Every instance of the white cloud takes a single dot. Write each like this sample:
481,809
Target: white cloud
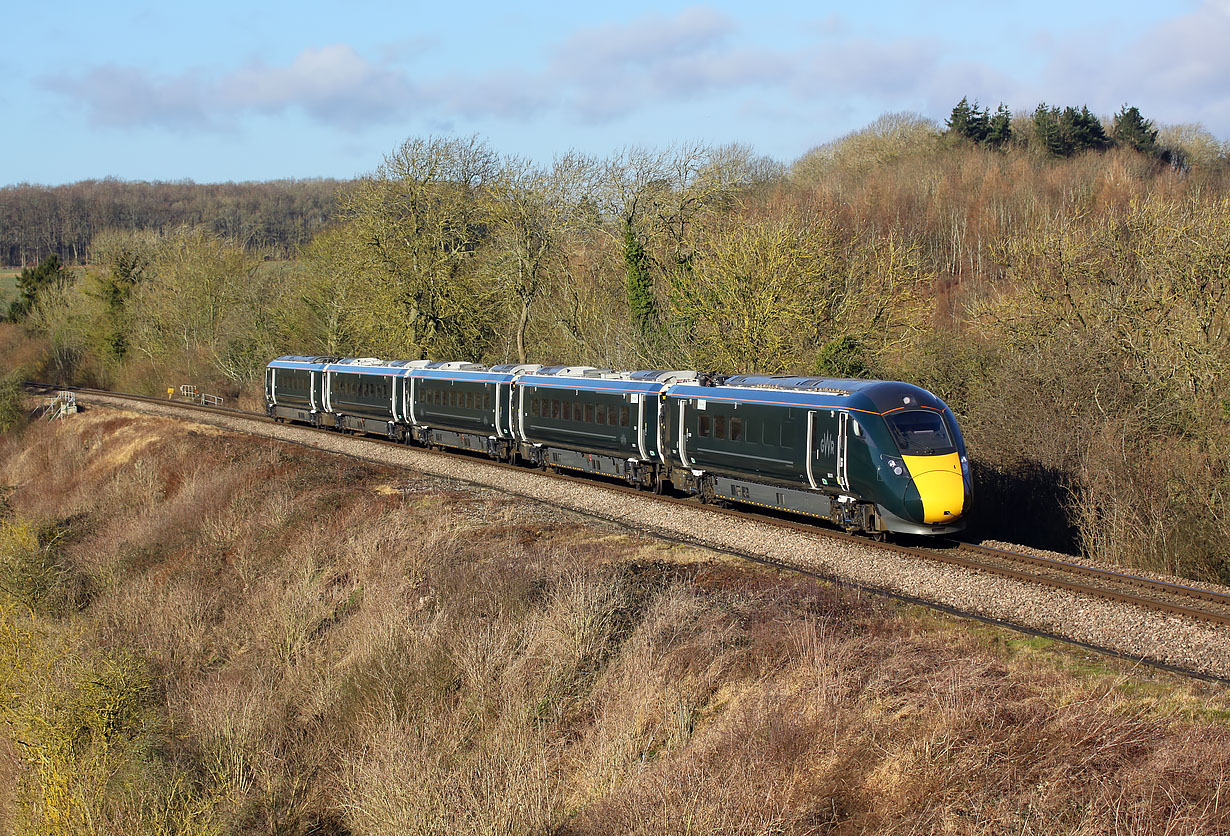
603,73
1175,72
123,96
334,84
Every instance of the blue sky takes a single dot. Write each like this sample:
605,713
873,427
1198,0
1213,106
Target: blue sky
256,91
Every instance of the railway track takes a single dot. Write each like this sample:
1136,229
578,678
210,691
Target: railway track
1173,599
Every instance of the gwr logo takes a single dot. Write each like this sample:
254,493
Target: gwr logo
828,446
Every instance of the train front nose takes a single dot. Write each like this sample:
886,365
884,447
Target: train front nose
940,486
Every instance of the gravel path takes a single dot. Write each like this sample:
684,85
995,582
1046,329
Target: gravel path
1126,629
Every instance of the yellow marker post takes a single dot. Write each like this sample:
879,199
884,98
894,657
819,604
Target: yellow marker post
170,392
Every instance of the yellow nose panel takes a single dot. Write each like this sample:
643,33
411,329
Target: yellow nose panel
939,483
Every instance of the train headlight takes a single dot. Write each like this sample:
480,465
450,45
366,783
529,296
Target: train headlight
895,465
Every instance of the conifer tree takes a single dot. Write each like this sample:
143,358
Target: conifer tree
999,129
1048,132
31,285
1084,130
970,121
1132,130
958,121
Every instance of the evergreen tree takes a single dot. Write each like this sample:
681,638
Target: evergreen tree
1048,131
1132,130
1063,133
31,285
129,266
969,121
999,130
1084,130
958,122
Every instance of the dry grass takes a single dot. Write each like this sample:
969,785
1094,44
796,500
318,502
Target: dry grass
249,638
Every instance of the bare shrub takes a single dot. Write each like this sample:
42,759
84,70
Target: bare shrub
282,648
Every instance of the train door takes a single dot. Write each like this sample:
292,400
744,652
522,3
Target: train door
639,402
843,450
827,448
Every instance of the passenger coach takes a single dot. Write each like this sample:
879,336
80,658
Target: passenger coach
869,456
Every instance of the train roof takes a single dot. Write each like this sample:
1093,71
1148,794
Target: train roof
874,396
595,379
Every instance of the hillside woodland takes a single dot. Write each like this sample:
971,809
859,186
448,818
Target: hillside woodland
1061,281
275,218
203,633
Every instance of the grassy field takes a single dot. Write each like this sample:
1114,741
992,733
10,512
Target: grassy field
8,286
211,634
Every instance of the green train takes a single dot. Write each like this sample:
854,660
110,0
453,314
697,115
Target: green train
868,456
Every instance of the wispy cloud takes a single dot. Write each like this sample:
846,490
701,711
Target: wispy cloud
333,84
118,97
608,72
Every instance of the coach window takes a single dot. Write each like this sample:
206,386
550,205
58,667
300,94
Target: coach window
601,414
719,426
623,416
589,413
706,426
736,429
611,416
555,408
567,410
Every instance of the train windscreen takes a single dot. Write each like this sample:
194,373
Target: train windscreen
920,433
